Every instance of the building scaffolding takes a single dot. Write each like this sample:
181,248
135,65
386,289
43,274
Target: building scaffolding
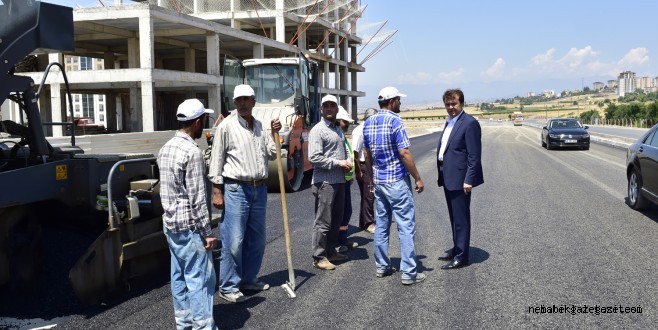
157,53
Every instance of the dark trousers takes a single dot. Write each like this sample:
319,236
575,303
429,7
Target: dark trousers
347,214
329,203
459,210
367,210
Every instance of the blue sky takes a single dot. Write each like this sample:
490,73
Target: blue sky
493,49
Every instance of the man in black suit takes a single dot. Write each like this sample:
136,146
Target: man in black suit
460,170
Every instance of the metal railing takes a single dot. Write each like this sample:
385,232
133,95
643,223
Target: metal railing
623,122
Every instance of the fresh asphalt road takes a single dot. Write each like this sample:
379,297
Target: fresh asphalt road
549,228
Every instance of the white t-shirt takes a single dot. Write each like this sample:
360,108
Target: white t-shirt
357,141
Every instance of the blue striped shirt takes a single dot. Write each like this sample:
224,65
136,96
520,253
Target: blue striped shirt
384,135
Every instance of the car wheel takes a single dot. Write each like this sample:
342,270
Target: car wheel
548,146
543,144
586,148
635,198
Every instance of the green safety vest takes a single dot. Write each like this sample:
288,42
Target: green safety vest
349,175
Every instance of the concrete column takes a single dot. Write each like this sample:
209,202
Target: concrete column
355,103
119,112
56,101
337,66
258,51
235,7
108,60
213,62
327,72
190,60
146,42
146,56
133,53
111,112
345,71
279,21
325,48
148,106
301,41
133,116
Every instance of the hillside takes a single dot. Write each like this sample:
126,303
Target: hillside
571,106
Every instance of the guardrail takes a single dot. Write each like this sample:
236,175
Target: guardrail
424,117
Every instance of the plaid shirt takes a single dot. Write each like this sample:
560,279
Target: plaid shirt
182,182
384,135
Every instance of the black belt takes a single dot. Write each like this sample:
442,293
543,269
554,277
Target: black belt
249,182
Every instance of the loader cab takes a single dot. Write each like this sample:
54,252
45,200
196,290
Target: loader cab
277,83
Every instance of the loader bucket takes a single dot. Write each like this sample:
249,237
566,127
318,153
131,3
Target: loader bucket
98,271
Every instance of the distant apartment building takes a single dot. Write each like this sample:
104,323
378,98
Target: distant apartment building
87,105
597,86
644,83
530,94
626,83
612,84
548,93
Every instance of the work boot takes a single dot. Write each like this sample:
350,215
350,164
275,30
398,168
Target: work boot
324,264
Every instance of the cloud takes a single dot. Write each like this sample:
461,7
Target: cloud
575,60
426,78
543,59
450,77
635,56
496,70
418,78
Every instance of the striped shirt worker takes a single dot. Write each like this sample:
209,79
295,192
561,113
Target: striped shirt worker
240,153
182,169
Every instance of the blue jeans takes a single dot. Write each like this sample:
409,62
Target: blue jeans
243,235
395,199
192,280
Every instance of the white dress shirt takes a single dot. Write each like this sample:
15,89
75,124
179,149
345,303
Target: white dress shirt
450,123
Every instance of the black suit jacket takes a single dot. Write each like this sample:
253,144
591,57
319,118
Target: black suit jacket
462,157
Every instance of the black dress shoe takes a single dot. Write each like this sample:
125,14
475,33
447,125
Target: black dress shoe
454,264
446,256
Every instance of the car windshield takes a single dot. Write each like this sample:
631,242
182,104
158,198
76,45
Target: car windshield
565,124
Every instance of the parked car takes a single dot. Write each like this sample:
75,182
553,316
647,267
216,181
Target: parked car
86,126
564,132
642,170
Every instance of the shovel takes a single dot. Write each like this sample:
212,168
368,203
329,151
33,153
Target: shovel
289,286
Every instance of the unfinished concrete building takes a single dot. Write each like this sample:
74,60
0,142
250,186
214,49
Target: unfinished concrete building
157,53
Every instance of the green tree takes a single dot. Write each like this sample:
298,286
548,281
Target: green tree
611,111
587,116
